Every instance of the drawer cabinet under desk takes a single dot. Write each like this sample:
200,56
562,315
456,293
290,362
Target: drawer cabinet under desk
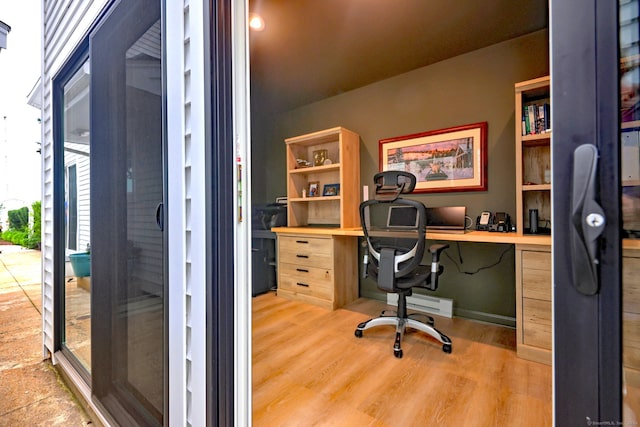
533,302
318,269
533,310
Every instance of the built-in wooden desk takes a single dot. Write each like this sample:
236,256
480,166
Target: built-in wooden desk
469,236
533,279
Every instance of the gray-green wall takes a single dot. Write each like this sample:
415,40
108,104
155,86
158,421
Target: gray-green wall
475,87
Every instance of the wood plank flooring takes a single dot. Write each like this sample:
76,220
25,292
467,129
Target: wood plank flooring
310,370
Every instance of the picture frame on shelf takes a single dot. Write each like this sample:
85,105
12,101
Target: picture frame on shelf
443,160
331,190
319,156
313,190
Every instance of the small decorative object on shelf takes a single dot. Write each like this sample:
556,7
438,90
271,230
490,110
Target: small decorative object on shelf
302,163
319,156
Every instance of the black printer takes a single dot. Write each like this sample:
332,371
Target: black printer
263,218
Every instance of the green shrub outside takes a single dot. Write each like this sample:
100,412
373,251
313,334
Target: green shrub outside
37,219
21,234
19,218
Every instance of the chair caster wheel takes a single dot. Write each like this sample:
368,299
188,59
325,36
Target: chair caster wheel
358,333
397,353
446,348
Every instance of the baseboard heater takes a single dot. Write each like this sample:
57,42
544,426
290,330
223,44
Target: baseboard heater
432,305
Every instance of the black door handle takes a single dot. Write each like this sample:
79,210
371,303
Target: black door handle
160,216
588,220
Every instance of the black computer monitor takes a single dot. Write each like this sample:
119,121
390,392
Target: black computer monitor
446,218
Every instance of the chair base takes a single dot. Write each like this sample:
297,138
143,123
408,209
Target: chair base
401,323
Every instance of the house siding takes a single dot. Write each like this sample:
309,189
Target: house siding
186,212
64,25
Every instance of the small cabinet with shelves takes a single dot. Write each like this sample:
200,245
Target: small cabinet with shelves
533,154
327,157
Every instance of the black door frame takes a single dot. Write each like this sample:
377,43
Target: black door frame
585,109
77,58
220,154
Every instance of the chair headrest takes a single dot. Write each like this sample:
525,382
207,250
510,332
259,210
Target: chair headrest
390,184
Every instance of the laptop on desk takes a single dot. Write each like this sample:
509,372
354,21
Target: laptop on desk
447,219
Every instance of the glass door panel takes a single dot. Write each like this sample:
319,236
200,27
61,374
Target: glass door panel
630,206
76,334
128,246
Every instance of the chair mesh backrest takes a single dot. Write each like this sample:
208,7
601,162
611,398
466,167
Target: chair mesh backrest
399,224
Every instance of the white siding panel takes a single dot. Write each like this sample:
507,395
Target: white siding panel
187,228
179,366
65,24
194,140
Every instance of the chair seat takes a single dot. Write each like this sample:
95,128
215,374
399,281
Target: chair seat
420,277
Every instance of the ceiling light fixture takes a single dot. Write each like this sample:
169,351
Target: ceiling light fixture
256,22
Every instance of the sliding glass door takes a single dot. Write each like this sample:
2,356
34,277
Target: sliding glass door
127,209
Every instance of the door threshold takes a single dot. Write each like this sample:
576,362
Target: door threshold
80,389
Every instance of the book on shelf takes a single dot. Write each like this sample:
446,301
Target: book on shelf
526,129
536,118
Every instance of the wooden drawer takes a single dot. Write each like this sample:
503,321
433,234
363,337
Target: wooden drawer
631,340
536,328
630,284
536,275
306,251
312,281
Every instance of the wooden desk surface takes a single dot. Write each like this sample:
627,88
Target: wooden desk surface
469,236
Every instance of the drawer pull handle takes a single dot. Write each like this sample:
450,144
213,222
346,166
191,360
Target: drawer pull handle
302,256
302,241
302,270
302,284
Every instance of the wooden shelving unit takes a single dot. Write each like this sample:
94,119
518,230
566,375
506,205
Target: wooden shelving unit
321,269
343,152
533,262
533,159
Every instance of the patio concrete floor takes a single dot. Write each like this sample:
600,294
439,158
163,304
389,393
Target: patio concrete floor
31,391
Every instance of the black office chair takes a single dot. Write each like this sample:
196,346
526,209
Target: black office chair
394,230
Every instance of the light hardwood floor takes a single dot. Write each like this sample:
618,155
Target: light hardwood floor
310,370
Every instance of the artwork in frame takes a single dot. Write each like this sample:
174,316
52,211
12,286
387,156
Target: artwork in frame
314,189
331,190
444,160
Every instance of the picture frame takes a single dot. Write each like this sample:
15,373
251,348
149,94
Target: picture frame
443,160
331,190
319,157
313,190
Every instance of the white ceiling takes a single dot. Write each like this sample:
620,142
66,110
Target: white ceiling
314,49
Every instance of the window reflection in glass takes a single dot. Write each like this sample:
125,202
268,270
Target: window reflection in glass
77,168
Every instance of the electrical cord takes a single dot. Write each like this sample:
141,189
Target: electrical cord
479,269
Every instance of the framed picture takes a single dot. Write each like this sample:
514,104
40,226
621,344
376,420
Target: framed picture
314,189
319,157
331,190
452,159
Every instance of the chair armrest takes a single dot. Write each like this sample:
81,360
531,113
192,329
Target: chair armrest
436,269
436,250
